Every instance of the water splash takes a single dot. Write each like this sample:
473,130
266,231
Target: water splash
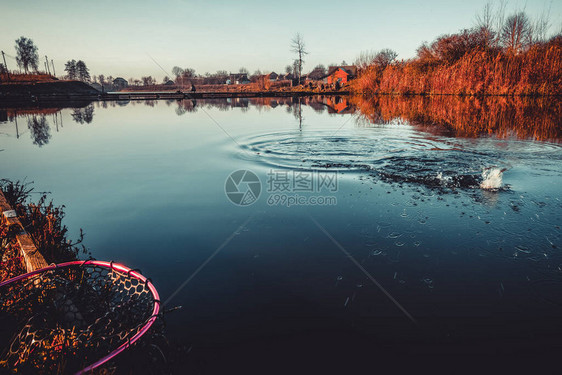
492,179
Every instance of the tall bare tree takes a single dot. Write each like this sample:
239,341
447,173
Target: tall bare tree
485,18
516,32
484,21
298,47
541,25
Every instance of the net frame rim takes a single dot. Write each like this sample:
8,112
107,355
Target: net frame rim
113,266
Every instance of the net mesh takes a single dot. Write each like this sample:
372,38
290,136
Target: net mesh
67,318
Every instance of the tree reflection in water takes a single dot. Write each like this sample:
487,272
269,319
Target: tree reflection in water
83,115
521,117
185,106
536,118
39,129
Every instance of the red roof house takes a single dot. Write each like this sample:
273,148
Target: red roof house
341,74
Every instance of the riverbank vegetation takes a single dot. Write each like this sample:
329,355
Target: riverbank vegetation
536,118
25,78
498,56
43,221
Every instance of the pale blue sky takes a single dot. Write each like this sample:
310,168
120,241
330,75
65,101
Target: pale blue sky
115,37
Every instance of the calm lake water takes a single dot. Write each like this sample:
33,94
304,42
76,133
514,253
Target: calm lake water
360,232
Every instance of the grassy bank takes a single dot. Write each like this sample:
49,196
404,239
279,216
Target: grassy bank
26,78
469,64
26,90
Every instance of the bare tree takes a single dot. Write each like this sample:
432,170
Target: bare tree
385,57
485,18
516,32
365,59
188,73
148,81
288,69
500,20
26,54
298,47
177,71
243,70
382,58
541,25
296,68
485,21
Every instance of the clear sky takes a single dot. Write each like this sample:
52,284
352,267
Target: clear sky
117,37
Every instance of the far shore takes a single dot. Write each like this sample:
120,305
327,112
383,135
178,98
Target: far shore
65,90
59,90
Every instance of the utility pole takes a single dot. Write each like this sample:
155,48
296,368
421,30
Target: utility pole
53,64
47,65
6,65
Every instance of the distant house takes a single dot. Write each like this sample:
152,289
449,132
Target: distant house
317,74
120,83
341,74
238,78
273,76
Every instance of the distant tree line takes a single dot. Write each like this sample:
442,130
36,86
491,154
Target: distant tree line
187,76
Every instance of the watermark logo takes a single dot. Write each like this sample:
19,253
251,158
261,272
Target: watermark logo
243,187
295,181
284,187
301,187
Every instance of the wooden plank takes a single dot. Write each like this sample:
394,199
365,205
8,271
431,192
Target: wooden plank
32,257
5,206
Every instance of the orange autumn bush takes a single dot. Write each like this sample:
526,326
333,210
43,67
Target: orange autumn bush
478,69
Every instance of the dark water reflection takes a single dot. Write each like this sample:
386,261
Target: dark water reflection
38,119
479,269
453,116
504,117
